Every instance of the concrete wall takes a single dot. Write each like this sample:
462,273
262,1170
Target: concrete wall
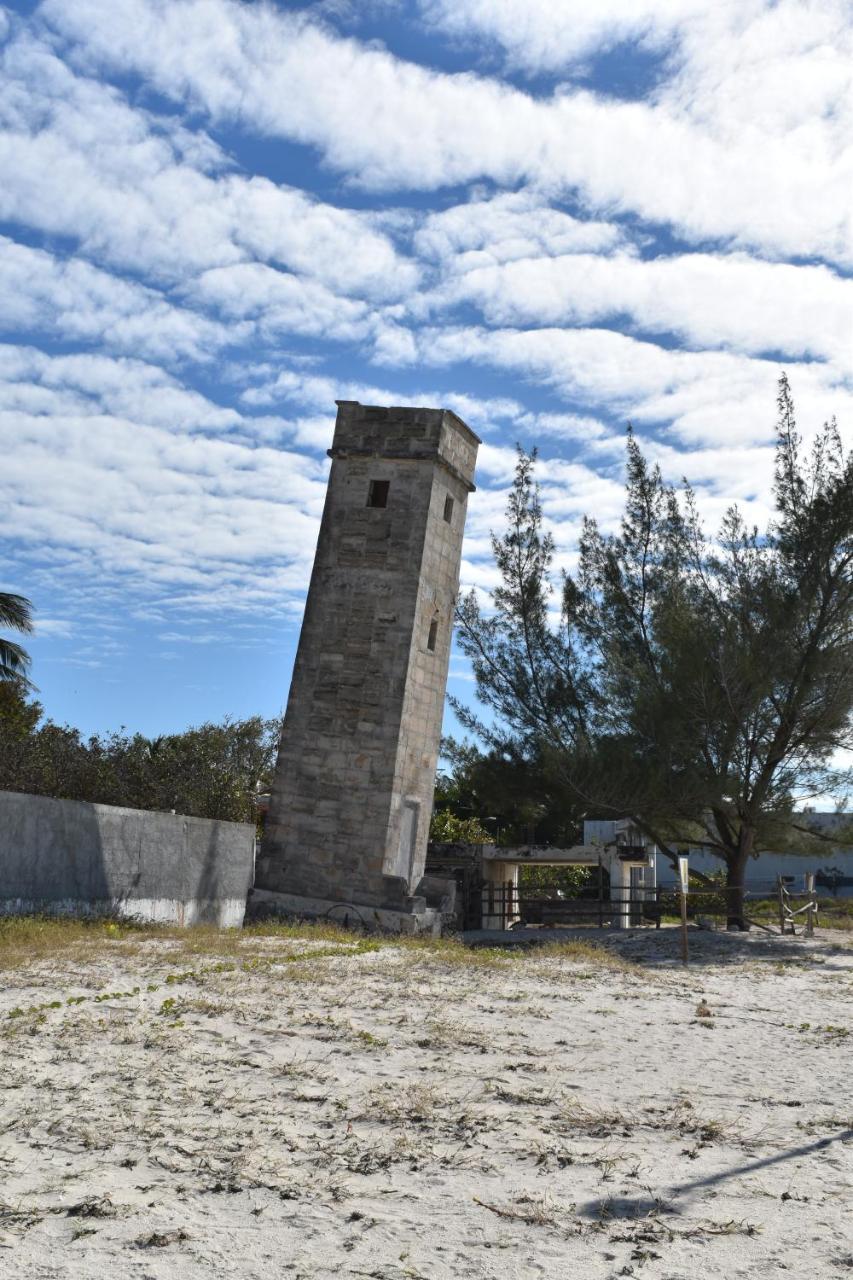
88,859
762,871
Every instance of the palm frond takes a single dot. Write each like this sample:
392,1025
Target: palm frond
14,661
16,612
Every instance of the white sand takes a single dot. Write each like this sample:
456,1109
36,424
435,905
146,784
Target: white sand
394,1115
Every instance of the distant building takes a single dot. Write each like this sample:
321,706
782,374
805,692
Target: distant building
832,866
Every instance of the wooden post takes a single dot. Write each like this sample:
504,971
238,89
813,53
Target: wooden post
600,894
781,905
684,879
810,911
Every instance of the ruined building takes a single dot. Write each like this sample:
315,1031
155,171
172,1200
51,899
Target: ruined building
350,807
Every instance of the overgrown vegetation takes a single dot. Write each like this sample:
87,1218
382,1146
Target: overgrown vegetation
514,792
209,771
447,827
568,882
702,686
27,940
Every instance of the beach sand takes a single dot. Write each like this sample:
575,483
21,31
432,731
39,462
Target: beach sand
294,1106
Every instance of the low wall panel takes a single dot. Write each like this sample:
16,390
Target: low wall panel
73,857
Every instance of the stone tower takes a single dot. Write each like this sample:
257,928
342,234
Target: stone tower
351,802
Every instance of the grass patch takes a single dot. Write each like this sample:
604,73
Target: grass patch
28,939
257,936
835,913
581,952
593,1121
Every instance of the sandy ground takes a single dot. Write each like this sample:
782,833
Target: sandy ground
406,1112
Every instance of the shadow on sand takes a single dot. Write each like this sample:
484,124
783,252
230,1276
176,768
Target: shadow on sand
648,1206
662,947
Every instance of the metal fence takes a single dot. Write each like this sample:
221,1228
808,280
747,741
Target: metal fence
507,906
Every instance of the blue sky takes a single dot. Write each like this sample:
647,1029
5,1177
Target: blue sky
217,217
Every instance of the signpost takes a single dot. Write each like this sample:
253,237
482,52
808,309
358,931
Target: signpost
684,881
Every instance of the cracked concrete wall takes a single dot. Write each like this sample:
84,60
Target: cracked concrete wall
73,857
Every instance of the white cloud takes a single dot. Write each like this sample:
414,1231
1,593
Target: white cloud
84,385
515,224
77,302
319,391
145,508
60,627
204,637
588,434
705,398
139,503
280,302
738,66
773,170
707,300
541,35
127,475
138,191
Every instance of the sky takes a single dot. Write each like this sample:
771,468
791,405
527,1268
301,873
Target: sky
217,217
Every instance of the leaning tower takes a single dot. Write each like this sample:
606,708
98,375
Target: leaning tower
350,806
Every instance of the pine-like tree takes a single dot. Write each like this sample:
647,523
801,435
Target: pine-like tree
701,686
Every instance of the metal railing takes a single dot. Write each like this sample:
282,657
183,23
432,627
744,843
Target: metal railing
506,906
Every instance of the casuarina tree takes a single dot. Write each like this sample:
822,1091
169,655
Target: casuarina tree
700,685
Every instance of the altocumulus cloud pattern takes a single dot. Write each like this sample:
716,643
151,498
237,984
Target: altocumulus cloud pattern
218,216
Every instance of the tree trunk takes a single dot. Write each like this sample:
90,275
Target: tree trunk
736,864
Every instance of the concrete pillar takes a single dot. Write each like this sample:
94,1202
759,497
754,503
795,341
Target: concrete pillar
620,889
500,894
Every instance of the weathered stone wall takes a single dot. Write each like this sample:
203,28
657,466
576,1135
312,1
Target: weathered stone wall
351,802
92,859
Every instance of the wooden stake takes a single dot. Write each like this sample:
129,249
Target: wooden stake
600,894
684,880
810,912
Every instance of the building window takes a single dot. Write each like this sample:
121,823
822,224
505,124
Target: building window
433,635
377,493
448,508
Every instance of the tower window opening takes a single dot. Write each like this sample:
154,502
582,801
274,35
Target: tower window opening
448,508
377,493
433,635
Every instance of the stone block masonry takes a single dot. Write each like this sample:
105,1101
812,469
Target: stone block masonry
351,802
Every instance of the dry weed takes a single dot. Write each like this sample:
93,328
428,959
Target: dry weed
581,952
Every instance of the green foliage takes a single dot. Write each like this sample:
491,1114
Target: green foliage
707,896
15,612
209,771
450,829
701,686
515,792
571,882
